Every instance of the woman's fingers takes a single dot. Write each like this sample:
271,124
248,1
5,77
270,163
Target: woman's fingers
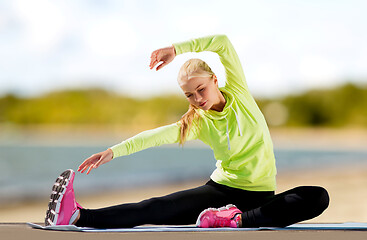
153,59
82,167
85,163
164,63
85,168
161,65
98,163
158,56
95,164
88,163
152,64
90,169
95,161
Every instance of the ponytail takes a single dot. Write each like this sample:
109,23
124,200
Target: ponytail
186,123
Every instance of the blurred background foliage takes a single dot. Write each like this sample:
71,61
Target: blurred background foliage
342,106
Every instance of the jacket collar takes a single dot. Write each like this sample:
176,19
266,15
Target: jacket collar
229,101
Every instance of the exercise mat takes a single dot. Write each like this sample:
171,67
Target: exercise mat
193,228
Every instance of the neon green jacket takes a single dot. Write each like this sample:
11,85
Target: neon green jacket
239,135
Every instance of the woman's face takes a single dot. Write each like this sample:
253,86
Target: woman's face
201,91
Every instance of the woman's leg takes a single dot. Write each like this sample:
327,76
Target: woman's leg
292,206
177,208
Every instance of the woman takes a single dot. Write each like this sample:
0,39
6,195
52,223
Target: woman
230,122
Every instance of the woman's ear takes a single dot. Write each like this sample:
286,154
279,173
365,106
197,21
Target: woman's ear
215,79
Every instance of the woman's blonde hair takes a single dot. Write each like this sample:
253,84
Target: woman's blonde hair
191,68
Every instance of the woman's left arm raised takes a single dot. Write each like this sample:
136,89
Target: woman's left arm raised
221,45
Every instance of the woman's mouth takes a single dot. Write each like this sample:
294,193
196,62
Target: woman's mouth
202,105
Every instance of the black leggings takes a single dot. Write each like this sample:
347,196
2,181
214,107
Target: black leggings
260,209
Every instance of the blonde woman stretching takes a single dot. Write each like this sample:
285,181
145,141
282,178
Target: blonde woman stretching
240,191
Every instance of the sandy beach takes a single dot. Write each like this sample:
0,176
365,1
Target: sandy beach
346,186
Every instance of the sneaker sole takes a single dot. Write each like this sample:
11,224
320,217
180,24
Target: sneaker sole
58,190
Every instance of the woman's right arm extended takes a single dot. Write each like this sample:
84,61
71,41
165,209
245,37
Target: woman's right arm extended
146,139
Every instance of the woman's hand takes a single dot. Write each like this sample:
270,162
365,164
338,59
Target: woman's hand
165,55
96,160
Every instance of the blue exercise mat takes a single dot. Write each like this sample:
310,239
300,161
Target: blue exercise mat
192,228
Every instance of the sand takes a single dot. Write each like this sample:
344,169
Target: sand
346,186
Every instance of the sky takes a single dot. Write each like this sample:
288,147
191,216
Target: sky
285,46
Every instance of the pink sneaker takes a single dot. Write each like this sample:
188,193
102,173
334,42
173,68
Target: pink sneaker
62,209
227,216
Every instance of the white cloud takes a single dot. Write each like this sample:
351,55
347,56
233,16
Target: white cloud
3,21
318,71
110,36
44,23
199,23
266,78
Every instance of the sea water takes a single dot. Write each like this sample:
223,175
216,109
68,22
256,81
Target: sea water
27,172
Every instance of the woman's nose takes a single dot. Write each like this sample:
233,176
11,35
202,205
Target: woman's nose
198,97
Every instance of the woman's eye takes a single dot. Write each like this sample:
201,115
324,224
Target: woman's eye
189,95
201,90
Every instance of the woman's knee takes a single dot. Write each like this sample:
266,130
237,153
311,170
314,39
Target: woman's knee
317,197
322,198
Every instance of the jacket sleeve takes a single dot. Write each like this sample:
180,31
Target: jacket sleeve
221,45
151,138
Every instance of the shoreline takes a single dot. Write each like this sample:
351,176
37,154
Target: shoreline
79,135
